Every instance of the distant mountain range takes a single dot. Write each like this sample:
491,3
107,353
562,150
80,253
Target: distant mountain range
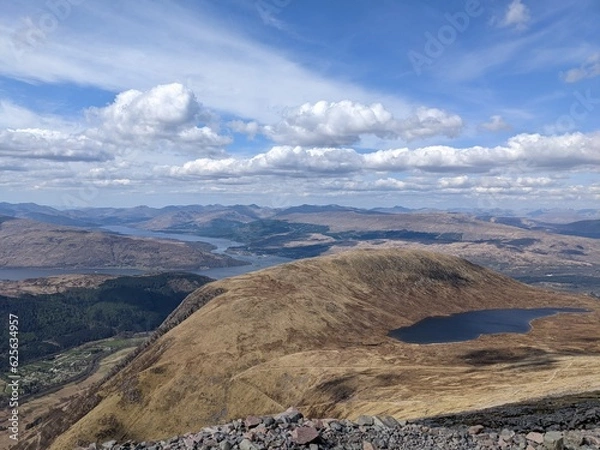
532,245
309,230
585,228
142,214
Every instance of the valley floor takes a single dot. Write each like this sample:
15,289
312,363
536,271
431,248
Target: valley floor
38,406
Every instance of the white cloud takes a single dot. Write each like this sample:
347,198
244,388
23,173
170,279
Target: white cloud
522,152
345,122
135,131
481,191
168,112
541,48
429,122
517,15
129,137
158,137
496,123
484,191
467,183
251,129
280,160
589,69
32,143
536,168
331,123
161,111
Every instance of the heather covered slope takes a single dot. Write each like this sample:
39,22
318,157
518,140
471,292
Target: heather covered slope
313,334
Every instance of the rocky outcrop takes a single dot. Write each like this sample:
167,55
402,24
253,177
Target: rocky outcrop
290,430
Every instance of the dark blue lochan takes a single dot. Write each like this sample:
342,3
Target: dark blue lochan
470,325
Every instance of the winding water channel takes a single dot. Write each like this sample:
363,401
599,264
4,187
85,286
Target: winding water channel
256,262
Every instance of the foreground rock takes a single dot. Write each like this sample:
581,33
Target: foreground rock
290,430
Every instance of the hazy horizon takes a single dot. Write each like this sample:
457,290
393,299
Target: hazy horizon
515,211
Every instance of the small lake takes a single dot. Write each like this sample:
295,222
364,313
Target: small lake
470,325
255,262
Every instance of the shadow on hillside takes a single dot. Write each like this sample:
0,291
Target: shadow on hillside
337,390
522,358
531,357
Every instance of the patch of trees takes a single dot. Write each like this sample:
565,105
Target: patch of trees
51,323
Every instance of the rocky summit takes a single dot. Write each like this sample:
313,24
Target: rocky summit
290,430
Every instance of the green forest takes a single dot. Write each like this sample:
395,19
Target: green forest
52,323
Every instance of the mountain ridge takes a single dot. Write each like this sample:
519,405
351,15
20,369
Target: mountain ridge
313,333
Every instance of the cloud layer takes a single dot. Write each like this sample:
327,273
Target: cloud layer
166,117
165,139
524,152
33,143
343,123
169,118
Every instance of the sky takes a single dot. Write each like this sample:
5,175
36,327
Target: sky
421,103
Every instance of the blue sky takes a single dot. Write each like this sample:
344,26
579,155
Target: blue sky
422,103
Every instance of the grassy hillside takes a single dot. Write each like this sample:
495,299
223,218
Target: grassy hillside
313,334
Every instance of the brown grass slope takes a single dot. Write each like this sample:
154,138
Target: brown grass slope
313,334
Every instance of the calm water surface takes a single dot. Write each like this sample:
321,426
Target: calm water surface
470,325
256,262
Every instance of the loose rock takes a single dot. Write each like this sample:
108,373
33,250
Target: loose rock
290,430
304,435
